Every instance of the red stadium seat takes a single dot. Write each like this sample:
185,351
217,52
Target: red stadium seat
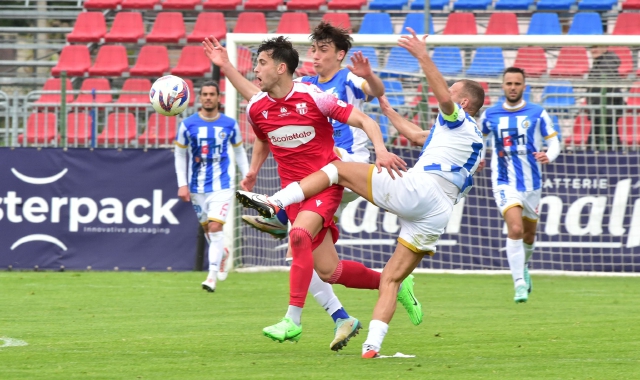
503,23
79,128
631,4
74,59
161,130
338,19
346,4
208,24
42,128
263,4
487,99
153,61
221,5
89,27
293,23
627,23
121,128
305,4
126,27
572,62
251,22
460,23
135,91
192,62
167,28
54,84
532,60
581,131
180,4
626,59
629,129
139,4
101,4
634,95
97,84
111,61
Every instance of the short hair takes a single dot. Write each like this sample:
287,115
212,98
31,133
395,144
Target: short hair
514,69
475,92
339,36
210,83
281,50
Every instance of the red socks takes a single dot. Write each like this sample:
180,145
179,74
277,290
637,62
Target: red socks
353,274
301,267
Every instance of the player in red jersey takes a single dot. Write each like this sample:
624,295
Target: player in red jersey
290,120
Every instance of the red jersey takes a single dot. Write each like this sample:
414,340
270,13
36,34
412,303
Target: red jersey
300,135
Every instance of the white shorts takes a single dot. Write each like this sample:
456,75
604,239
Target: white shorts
212,207
359,156
422,207
507,197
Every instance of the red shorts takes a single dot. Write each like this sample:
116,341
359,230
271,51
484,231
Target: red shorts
325,204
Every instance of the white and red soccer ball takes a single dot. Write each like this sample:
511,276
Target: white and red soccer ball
169,95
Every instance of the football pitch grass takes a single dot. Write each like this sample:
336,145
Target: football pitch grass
118,325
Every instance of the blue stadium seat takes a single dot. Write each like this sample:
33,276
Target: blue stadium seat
554,5
433,4
597,5
416,22
558,95
513,4
400,61
394,92
488,61
383,122
376,23
544,23
526,95
447,59
387,4
586,23
471,4
368,52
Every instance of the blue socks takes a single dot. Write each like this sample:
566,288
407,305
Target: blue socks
339,314
282,217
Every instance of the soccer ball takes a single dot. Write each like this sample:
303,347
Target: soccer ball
169,95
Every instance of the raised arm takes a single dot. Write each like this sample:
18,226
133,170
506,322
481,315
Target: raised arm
418,48
361,67
406,128
218,55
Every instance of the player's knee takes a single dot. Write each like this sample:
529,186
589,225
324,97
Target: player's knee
299,238
516,231
214,227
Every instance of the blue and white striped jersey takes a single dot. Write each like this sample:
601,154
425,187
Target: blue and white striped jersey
517,134
208,142
453,149
349,88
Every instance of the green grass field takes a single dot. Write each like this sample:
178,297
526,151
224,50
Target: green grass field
163,326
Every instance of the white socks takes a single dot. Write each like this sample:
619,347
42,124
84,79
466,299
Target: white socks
515,255
288,196
324,295
528,251
377,331
216,250
295,313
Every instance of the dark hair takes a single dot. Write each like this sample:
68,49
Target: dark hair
327,32
281,50
513,69
210,83
475,92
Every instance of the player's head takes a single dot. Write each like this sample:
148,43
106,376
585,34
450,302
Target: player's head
513,84
276,58
330,45
469,94
210,96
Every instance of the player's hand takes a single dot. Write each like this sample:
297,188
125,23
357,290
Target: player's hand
415,46
215,51
481,165
361,66
541,157
183,193
249,181
393,163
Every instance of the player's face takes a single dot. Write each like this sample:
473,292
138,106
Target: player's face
267,71
458,95
326,58
209,98
513,87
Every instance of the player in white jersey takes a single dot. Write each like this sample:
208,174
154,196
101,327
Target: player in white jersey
423,197
203,143
518,129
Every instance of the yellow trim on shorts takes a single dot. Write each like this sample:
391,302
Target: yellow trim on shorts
215,220
370,184
337,152
413,248
236,145
529,219
510,207
178,144
554,134
204,224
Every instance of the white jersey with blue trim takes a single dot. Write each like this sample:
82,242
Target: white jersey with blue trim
452,149
208,142
347,87
517,134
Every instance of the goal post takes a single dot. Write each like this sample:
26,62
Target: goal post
590,208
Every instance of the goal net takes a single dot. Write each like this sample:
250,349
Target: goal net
590,209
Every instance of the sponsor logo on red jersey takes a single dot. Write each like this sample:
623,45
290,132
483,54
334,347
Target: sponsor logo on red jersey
292,136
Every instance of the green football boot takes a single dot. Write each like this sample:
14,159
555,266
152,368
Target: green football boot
283,330
409,301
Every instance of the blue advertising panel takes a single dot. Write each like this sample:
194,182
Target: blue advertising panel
102,209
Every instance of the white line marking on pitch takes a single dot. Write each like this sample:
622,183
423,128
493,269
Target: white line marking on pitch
10,342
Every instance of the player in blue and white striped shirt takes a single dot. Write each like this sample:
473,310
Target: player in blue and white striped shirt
518,130
209,180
